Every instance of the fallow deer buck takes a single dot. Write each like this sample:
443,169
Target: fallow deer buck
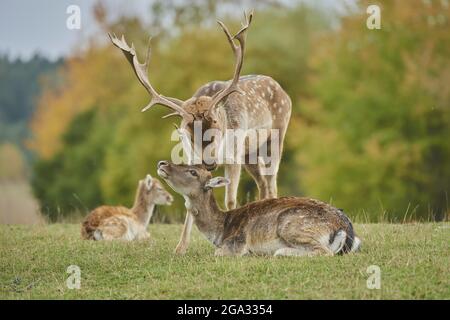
287,226
253,102
109,223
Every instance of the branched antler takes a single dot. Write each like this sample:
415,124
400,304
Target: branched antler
141,71
238,51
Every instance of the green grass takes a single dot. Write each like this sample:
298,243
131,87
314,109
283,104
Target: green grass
414,262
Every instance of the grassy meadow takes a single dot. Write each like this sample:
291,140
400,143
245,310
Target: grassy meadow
414,260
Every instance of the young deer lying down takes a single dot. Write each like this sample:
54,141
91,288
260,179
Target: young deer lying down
109,223
287,226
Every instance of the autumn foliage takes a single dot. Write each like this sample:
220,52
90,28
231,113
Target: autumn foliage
369,130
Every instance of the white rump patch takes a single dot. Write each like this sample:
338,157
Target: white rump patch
338,242
356,246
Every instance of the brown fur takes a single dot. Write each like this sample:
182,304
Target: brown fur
118,222
100,214
265,105
280,226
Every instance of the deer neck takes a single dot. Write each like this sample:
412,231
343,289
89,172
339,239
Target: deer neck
143,209
208,217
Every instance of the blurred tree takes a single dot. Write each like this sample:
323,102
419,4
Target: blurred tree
377,136
96,78
19,88
70,180
19,85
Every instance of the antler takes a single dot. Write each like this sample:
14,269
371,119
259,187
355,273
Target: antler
238,51
141,71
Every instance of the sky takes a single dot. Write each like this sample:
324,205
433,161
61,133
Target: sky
31,26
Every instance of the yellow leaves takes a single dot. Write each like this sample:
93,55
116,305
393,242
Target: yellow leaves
99,78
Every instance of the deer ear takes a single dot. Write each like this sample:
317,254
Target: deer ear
148,182
216,182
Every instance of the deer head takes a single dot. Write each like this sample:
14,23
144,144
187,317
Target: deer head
204,108
189,180
150,190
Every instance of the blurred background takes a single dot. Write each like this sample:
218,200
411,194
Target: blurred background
371,108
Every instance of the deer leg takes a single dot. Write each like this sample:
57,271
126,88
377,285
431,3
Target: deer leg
234,246
298,252
185,235
255,172
271,181
233,173
265,177
272,186
223,252
274,165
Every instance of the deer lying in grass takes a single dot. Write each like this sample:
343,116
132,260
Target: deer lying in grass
109,223
286,226
252,102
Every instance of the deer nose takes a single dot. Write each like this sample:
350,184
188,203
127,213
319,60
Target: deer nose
163,163
211,166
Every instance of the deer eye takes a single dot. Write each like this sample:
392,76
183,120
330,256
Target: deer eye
194,173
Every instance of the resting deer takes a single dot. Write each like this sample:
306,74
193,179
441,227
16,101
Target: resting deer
109,223
252,102
287,226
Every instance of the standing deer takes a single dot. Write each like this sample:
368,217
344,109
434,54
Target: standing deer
109,223
287,226
253,102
